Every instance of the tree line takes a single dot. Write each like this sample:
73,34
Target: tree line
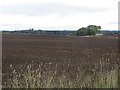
84,31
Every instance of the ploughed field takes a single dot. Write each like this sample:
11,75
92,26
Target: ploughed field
66,54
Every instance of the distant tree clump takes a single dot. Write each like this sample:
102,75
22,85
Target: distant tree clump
89,30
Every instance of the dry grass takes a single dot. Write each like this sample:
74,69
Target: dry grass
38,78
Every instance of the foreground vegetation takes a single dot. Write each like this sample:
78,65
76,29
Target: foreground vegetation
39,78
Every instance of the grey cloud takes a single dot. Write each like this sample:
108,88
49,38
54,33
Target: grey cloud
47,8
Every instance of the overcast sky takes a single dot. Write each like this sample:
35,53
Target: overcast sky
58,14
